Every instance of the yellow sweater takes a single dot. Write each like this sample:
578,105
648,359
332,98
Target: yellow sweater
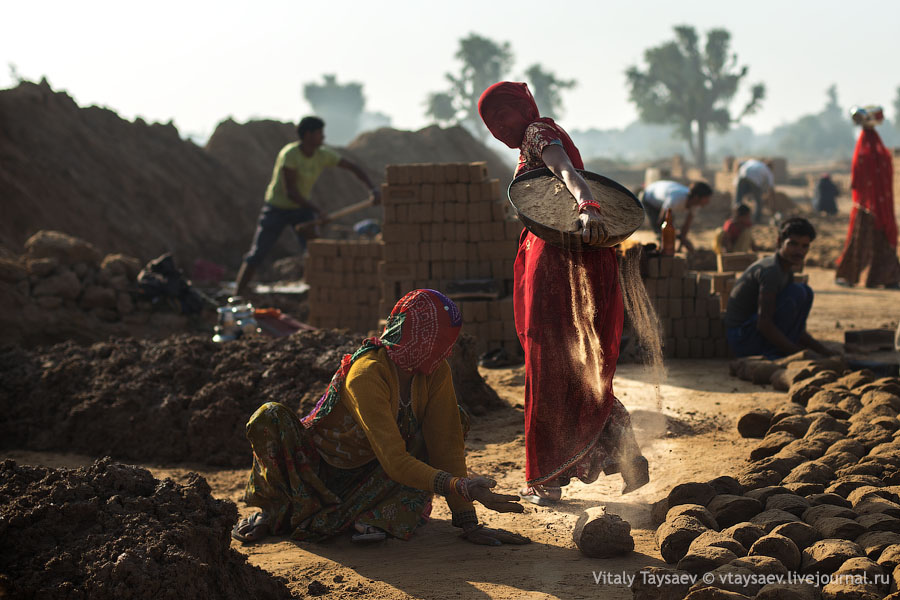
363,425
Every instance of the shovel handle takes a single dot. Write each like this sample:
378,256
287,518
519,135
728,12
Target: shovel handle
343,212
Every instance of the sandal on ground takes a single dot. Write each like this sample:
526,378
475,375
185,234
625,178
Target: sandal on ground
251,529
542,495
368,534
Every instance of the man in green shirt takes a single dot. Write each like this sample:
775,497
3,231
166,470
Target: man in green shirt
297,168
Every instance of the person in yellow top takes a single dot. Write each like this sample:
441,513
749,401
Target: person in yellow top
384,438
297,168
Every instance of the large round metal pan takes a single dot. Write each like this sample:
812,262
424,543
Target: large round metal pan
545,206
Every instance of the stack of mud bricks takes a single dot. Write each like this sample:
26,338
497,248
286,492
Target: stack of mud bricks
446,222
344,288
688,308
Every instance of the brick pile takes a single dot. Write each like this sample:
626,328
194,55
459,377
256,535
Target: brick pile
443,223
344,286
689,309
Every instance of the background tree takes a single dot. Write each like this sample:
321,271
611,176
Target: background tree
340,105
691,89
441,108
825,135
547,90
484,62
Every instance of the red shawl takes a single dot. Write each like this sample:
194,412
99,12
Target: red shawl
872,183
566,414
508,108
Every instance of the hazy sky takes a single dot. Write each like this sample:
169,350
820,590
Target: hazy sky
198,62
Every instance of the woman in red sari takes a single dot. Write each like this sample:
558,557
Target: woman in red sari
872,235
574,427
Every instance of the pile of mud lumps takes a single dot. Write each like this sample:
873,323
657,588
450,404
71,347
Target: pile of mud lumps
816,511
112,531
64,288
184,398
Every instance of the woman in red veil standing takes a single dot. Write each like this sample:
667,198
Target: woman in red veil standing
574,426
872,236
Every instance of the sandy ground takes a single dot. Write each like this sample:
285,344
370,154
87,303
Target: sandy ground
687,433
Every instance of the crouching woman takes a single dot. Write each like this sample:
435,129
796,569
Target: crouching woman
385,437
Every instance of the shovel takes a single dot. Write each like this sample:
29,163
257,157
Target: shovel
309,228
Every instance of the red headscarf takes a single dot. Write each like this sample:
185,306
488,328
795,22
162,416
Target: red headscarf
419,334
872,176
508,108
421,330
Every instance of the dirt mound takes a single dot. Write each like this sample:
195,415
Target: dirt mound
134,187
63,288
183,399
113,531
143,190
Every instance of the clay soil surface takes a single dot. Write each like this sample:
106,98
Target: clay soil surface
689,436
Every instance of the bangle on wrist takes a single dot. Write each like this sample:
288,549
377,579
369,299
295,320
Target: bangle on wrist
460,487
586,203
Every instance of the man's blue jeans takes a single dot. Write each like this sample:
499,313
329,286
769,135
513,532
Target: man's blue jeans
272,220
792,308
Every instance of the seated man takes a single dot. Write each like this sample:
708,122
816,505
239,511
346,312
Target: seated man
662,196
767,310
735,235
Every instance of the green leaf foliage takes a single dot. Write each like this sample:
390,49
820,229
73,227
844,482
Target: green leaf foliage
691,88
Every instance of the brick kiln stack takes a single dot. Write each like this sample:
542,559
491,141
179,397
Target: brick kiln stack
344,288
689,306
445,223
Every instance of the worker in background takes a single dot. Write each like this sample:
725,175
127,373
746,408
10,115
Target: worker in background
825,196
661,196
297,168
736,234
754,179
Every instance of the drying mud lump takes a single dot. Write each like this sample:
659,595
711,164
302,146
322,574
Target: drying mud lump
111,531
674,537
719,539
732,578
802,534
599,534
691,493
705,558
646,586
730,510
745,533
779,547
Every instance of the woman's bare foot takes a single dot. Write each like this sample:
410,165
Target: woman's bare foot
542,495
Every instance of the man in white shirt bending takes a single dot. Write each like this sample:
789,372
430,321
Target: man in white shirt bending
662,196
755,179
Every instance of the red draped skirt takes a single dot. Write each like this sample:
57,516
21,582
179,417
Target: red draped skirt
574,425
